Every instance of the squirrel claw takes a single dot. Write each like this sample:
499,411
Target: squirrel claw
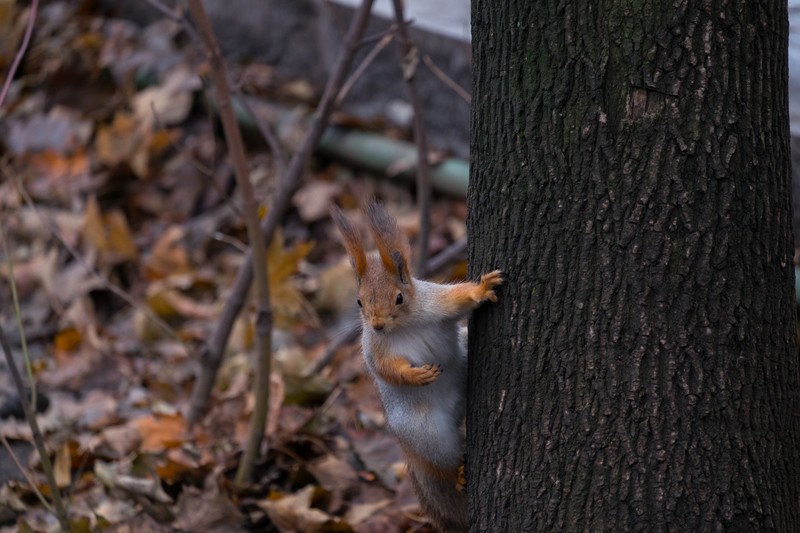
427,374
488,282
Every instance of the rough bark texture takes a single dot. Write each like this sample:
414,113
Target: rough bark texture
631,177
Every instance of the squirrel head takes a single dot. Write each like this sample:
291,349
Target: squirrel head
385,287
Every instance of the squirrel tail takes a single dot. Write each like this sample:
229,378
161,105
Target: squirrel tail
440,495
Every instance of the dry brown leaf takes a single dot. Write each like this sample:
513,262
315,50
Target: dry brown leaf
121,439
111,477
61,175
289,304
168,302
359,512
336,292
209,511
171,100
332,473
108,233
294,512
160,432
301,387
62,466
67,339
169,255
119,141
313,200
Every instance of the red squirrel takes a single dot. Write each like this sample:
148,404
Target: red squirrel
416,354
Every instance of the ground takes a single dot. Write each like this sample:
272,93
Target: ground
122,233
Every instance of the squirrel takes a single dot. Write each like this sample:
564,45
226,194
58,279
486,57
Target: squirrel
416,354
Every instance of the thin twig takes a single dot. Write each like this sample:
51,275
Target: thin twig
18,314
447,80
445,256
24,471
200,167
165,10
221,81
287,185
26,39
348,337
175,16
266,132
409,65
366,62
38,438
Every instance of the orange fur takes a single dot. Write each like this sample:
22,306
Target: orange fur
439,493
352,241
398,371
392,245
463,297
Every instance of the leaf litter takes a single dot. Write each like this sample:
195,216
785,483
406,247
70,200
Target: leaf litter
119,215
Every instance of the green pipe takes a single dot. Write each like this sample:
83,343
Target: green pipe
383,156
371,152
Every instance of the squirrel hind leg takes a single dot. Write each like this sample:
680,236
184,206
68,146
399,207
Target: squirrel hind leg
440,497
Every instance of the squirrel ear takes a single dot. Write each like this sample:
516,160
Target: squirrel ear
392,245
402,267
352,241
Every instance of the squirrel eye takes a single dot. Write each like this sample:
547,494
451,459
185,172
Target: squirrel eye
358,301
399,299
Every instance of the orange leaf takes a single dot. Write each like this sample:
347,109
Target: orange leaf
68,339
119,141
109,233
160,432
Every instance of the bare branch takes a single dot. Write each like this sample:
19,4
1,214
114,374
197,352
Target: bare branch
38,438
410,62
379,46
287,185
447,80
220,78
26,39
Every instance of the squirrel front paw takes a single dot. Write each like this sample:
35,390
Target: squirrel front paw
486,286
424,375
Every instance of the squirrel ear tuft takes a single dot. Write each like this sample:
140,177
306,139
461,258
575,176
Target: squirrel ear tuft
352,241
392,245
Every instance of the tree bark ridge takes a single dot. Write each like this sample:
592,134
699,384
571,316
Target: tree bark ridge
644,374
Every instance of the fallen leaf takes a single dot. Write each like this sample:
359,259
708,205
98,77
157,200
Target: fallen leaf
109,233
62,466
295,513
209,511
336,289
60,130
109,475
168,255
122,439
125,140
313,200
67,339
160,432
359,512
169,101
289,304
332,473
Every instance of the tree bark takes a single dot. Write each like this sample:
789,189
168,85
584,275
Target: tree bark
631,177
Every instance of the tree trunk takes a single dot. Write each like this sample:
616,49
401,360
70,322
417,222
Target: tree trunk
631,176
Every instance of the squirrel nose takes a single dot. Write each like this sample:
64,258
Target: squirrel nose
378,326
